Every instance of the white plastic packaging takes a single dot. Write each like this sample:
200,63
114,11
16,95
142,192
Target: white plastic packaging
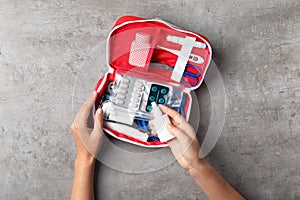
160,122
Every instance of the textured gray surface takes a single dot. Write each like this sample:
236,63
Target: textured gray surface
47,46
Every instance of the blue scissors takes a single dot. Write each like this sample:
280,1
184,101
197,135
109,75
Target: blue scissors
191,75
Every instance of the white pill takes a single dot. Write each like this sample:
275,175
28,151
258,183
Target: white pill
138,84
136,90
135,100
124,85
133,105
121,96
136,95
125,80
122,91
119,102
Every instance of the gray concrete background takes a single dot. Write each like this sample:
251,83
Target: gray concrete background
44,43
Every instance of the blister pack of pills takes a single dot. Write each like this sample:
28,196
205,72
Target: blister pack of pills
129,98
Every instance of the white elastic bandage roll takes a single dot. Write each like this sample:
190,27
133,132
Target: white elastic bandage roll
183,58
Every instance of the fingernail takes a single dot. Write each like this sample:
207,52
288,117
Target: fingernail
94,93
99,111
169,125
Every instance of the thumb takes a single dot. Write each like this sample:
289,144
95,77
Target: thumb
177,132
98,121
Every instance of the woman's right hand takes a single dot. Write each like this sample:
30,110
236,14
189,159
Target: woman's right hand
184,146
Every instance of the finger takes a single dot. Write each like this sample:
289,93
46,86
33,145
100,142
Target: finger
151,123
172,113
189,129
173,142
74,131
154,133
98,122
84,111
177,119
174,123
91,98
177,132
89,103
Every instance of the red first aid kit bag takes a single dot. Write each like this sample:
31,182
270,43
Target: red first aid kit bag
150,62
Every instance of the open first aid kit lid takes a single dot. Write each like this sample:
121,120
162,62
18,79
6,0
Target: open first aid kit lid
154,48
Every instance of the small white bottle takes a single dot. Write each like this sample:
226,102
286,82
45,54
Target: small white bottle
160,122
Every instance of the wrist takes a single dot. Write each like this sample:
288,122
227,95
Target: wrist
84,160
200,165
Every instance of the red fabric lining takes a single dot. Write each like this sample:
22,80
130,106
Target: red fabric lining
187,104
120,135
127,18
122,38
101,92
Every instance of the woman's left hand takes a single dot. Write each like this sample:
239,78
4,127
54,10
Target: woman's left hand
87,140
